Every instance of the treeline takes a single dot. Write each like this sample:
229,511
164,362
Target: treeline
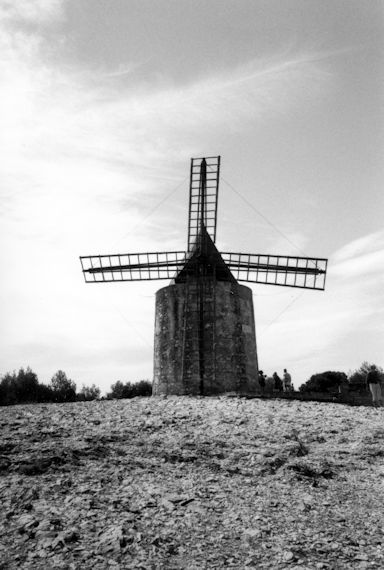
24,387
332,382
130,389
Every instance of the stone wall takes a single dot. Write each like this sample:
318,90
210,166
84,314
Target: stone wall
219,356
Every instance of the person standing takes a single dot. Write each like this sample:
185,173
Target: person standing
373,385
287,381
278,382
269,385
261,380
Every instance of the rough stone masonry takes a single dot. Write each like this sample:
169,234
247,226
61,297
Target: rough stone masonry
218,356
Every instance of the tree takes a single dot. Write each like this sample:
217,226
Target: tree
117,390
88,393
143,388
26,386
45,393
19,388
357,379
63,388
324,382
8,389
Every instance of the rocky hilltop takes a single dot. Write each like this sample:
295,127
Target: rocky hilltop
191,483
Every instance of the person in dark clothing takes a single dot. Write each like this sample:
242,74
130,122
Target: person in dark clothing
374,385
262,380
278,382
269,385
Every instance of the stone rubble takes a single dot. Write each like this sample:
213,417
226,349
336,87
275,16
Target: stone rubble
191,483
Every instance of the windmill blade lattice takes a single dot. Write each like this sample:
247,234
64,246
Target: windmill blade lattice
287,271
203,196
132,266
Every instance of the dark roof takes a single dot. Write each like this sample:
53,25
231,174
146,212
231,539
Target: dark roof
205,259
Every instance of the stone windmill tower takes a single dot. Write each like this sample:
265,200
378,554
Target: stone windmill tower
205,339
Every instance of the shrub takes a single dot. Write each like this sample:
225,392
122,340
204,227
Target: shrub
324,382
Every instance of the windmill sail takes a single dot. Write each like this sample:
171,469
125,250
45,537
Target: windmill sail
202,257
287,271
132,266
203,194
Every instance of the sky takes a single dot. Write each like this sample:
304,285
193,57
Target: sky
102,105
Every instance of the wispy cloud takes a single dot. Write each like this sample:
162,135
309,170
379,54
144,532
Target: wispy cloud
32,11
360,246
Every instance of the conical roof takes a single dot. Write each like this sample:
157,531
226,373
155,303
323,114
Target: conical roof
205,259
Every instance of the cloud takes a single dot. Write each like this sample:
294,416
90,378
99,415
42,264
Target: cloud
31,11
363,257
250,92
370,242
53,111
362,266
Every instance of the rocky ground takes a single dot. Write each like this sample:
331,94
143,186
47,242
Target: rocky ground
190,483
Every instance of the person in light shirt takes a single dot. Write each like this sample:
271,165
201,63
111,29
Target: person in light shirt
374,385
287,381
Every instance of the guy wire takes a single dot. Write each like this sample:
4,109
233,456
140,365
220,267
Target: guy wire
246,201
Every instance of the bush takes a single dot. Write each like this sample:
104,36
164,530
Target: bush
130,389
324,382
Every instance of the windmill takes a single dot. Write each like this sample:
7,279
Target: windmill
205,340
